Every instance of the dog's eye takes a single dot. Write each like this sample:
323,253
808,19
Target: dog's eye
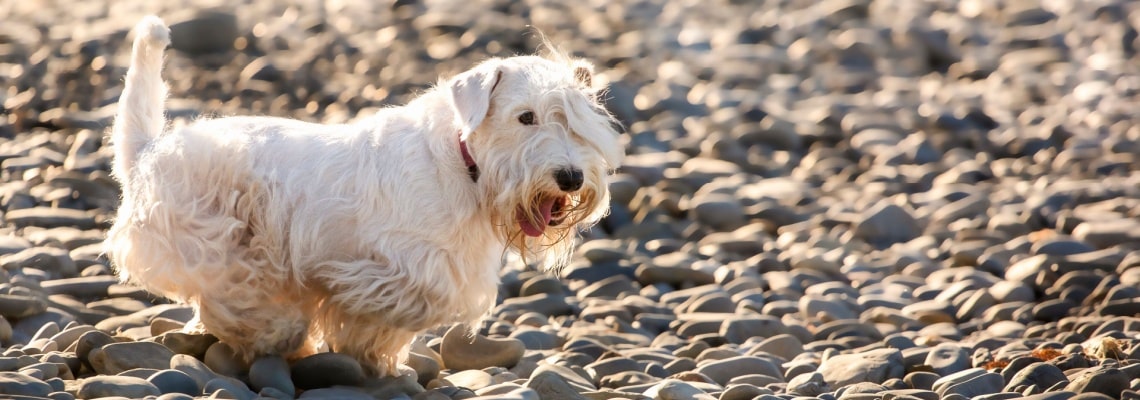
527,118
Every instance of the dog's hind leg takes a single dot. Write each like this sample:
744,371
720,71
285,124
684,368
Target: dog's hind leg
255,321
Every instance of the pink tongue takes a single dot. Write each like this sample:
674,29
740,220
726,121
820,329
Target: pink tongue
535,229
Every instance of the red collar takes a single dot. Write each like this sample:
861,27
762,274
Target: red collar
472,169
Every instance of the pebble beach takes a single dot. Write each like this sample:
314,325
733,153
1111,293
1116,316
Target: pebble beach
834,199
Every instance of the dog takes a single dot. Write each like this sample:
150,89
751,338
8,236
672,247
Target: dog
287,236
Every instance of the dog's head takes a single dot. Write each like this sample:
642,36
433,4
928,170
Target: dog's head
544,146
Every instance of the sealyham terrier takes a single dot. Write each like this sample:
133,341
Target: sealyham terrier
285,236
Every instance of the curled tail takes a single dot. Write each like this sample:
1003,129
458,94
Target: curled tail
140,115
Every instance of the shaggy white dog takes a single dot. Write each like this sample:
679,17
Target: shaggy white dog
285,235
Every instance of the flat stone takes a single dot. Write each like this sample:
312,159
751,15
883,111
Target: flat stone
325,370
174,381
19,306
15,383
471,379
80,287
271,371
118,357
1042,374
234,388
110,386
783,345
220,357
722,371
871,366
808,384
673,389
886,224
549,384
186,343
948,358
335,393
460,351
1106,380
48,217
737,329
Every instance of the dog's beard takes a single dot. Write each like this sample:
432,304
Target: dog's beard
541,226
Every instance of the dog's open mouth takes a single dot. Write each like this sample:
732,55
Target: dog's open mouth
547,211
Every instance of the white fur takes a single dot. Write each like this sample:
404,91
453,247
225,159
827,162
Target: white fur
286,235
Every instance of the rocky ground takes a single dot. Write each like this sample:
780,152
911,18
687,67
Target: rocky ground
834,199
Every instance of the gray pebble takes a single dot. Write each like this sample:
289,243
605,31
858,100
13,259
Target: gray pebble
326,369
15,383
871,366
118,357
271,372
108,386
174,381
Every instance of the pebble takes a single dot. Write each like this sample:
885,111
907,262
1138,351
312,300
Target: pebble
109,386
722,371
839,193
948,358
871,366
14,383
174,381
271,372
118,357
323,370
461,351
550,384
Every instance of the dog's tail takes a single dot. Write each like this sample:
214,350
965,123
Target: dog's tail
140,116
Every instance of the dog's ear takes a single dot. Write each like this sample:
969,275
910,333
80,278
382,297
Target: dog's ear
584,73
471,95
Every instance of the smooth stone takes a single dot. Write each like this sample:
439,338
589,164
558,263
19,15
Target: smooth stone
15,383
471,379
742,392
871,366
886,224
808,384
673,389
193,368
80,287
389,386
550,384
426,367
738,329
783,345
194,345
19,306
722,371
982,384
948,358
534,339
271,371
1106,380
335,393
204,32
108,386
610,366
232,387
719,211
220,357
118,357
460,351
174,381
1039,373
323,370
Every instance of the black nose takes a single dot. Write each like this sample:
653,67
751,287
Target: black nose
569,179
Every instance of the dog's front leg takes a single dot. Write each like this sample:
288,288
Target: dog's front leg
375,307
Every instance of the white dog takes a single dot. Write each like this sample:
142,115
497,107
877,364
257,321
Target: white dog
285,235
